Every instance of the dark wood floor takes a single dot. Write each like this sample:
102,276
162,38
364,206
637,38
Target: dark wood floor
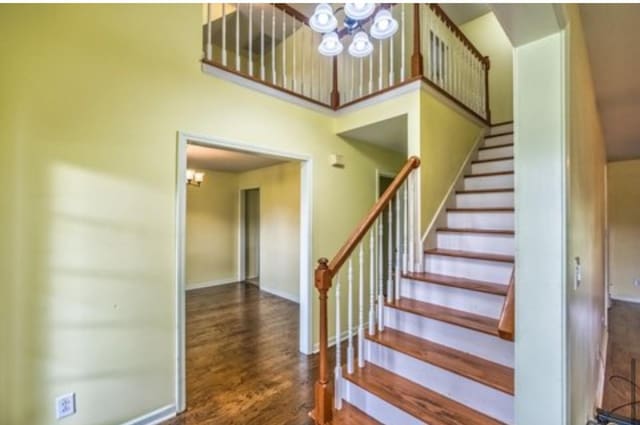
243,364
624,345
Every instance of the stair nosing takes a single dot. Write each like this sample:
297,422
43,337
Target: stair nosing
471,255
494,190
502,158
504,145
483,210
443,348
507,232
462,283
384,395
496,173
491,136
448,317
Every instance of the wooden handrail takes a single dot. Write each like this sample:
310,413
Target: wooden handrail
456,31
326,270
345,251
506,325
291,11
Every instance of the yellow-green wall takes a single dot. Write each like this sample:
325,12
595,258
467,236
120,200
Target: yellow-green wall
212,230
487,35
279,226
91,104
446,139
624,228
586,163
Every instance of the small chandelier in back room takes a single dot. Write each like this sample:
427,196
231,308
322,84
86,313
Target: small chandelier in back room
358,16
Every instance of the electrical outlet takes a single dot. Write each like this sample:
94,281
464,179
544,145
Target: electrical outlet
636,283
578,274
65,405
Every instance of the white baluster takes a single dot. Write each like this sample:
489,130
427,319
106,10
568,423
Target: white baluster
380,67
294,35
419,251
361,307
403,48
392,77
405,222
410,212
284,50
237,36
380,275
262,69
350,354
338,368
224,34
361,79
274,76
209,45
390,253
372,281
397,251
370,59
251,39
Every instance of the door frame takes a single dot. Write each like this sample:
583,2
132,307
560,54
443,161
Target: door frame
306,262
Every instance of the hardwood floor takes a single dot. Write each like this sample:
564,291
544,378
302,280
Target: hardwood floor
624,344
243,364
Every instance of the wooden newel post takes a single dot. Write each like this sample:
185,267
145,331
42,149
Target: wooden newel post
417,66
323,392
335,94
487,67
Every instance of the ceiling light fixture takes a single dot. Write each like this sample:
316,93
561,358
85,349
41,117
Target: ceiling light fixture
194,178
357,17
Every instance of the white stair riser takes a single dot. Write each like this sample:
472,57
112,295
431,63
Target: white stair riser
480,220
498,140
485,200
499,129
503,181
462,339
376,407
488,305
489,271
477,396
492,167
477,242
495,152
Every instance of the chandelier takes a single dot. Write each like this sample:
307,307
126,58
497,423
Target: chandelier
357,17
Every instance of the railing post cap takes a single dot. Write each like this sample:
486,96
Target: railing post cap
415,160
323,263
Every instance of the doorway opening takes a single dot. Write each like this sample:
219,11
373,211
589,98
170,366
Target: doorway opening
250,237
244,227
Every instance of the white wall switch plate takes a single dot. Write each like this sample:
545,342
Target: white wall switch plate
578,274
65,405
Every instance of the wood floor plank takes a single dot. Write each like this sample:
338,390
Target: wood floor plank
424,404
465,319
351,415
475,368
459,282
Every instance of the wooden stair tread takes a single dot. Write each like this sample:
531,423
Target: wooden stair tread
459,282
504,145
500,190
481,231
491,136
471,255
503,158
491,374
480,209
351,415
461,318
497,173
420,402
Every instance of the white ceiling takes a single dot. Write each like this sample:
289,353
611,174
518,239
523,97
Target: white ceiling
612,33
390,133
461,13
206,158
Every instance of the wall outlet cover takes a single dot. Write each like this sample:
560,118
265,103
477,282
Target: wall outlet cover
65,405
636,283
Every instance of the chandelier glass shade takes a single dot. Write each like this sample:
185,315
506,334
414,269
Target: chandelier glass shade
357,17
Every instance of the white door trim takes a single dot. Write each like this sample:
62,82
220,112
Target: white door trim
306,265
242,257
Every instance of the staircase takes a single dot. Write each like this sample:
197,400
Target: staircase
440,359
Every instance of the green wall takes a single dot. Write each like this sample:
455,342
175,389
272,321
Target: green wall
92,99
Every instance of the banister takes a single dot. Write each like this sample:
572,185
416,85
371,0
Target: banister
506,324
345,251
292,11
456,30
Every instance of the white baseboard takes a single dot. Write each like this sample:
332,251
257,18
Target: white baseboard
627,299
155,417
281,294
207,284
343,336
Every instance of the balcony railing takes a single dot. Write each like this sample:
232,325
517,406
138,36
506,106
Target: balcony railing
272,44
